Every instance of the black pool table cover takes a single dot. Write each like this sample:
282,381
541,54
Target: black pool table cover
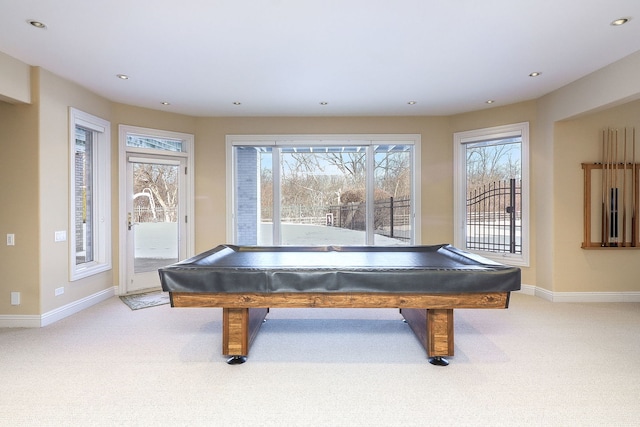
436,269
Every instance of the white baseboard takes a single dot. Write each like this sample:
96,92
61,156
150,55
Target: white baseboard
76,306
580,296
596,297
36,321
19,320
527,290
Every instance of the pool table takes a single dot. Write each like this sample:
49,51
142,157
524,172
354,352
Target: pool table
425,282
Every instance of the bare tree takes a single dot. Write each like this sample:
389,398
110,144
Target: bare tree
352,165
393,173
162,182
487,164
311,181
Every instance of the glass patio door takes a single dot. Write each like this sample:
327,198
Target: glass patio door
323,193
155,218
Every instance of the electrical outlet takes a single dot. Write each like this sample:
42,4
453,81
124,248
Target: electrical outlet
15,298
59,291
11,239
60,236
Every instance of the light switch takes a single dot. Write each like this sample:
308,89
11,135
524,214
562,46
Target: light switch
60,236
11,239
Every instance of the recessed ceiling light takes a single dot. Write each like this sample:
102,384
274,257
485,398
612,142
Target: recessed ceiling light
323,103
490,101
412,102
165,103
535,74
37,24
237,103
620,21
122,76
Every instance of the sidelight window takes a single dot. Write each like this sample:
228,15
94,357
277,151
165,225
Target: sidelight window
90,189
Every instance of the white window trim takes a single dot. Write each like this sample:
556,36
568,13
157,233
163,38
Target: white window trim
102,185
460,178
124,151
324,140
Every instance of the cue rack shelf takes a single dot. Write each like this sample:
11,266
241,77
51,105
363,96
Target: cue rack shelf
611,196
617,219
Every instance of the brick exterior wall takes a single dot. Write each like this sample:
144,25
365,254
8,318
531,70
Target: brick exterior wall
83,229
247,202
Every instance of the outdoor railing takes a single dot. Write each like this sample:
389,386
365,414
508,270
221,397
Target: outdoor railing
392,217
494,217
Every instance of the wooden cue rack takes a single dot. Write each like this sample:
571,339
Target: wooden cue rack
625,214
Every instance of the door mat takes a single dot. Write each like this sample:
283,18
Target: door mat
145,300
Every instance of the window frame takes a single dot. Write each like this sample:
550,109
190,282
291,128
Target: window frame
323,140
124,153
460,139
101,181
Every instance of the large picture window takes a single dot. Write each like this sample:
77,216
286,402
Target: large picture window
491,184
90,219
323,190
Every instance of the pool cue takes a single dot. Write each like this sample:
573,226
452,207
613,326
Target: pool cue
605,190
610,189
614,187
603,218
634,190
624,191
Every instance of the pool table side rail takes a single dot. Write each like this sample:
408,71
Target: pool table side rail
341,300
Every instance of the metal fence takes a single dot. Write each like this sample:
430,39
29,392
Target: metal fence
494,217
159,214
392,217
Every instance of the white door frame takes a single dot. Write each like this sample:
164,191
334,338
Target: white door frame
123,152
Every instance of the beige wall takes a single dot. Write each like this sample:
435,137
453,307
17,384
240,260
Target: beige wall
19,264
15,80
143,117
579,270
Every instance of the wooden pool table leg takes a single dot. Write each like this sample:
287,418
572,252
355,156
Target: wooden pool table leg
239,328
434,329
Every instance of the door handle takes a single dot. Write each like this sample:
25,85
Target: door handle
130,222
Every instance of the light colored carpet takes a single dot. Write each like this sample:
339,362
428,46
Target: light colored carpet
145,300
536,364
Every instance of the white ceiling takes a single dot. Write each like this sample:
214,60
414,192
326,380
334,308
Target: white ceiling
284,57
